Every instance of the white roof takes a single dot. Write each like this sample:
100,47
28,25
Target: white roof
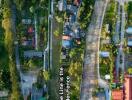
60,5
104,54
107,77
129,30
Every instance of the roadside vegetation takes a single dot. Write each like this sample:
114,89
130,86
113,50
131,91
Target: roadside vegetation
85,12
106,41
9,32
75,70
129,10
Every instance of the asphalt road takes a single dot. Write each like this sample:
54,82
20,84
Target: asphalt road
90,70
121,55
50,20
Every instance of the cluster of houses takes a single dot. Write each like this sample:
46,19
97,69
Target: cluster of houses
27,39
72,33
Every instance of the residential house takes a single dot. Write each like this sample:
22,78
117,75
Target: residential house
129,43
77,2
128,61
128,87
117,94
3,94
72,19
27,42
129,36
104,54
32,53
26,21
107,28
64,53
72,9
129,30
36,94
30,30
66,41
62,5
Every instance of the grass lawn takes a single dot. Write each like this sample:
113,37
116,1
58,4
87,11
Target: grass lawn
53,83
4,68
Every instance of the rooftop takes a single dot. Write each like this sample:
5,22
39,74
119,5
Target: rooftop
128,87
117,94
32,53
129,30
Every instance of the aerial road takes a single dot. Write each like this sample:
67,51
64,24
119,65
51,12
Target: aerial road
90,73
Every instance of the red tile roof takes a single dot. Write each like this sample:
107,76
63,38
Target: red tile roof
117,94
128,87
30,30
66,37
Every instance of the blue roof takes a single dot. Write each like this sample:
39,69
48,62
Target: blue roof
66,43
129,30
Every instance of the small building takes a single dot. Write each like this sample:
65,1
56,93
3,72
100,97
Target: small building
77,2
107,28
72,19
72,9
129,30
30,30
27,43
32,53
107,77
66,41
62,5
3,94
36,94
104,54
117,94
129,43
66,37
128,61
26,21
128,87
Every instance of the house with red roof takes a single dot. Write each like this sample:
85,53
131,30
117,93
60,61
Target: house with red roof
117,94
128,87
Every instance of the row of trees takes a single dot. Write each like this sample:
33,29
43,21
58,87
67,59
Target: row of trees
85,12
7,24
130,13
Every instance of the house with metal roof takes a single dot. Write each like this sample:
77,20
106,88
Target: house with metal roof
62,5
129,38
32,53
26,21
72,9
129,30
104,54
66,41
36,94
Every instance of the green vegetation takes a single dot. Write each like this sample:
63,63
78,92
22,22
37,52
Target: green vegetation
53,83
7,23
107,64
5,82
85,12
129,13
75,70
32,64
130,70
